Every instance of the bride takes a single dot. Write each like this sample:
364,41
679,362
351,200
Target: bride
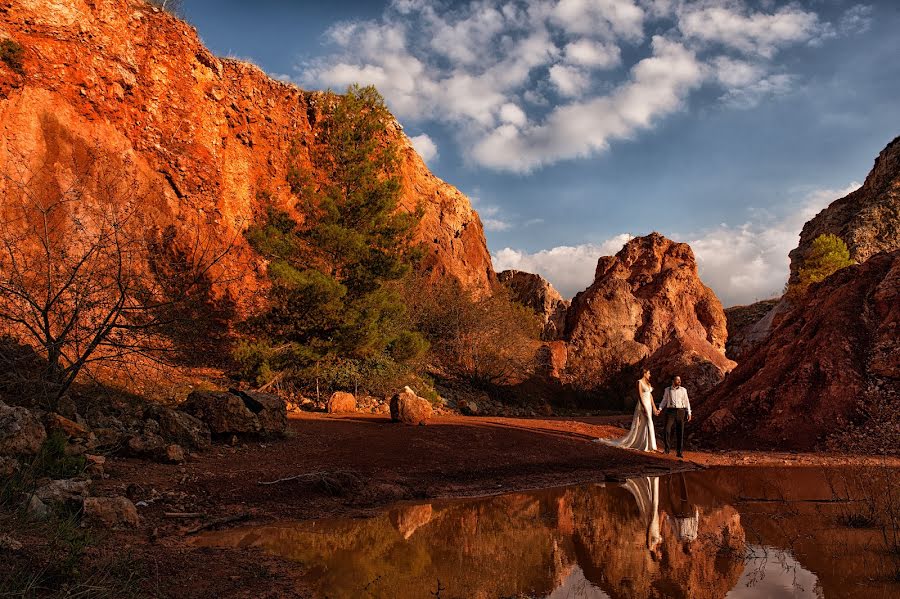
642,435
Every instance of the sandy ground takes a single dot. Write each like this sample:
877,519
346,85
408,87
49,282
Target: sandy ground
354,465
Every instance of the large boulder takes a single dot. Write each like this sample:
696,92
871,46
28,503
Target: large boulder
181,428
21,431
238,412
830,366
868,219
409,408
341,402
112,512
537,293
646,308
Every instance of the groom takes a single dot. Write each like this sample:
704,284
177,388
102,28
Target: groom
677,409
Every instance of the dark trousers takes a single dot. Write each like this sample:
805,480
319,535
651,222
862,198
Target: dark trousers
675,419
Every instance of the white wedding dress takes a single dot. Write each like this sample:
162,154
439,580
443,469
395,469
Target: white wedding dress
642,435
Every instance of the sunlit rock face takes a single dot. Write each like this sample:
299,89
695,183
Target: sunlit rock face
868,219
210,141
646,308
831,358
537,293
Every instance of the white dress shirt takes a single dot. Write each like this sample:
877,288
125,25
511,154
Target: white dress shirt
676,397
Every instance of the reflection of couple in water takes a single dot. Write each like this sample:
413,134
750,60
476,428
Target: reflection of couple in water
676,410
685,517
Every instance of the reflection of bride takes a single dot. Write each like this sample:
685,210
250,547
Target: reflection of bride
646,493
642,435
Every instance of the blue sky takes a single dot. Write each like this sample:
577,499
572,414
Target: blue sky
573,124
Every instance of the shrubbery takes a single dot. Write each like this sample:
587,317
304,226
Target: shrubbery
827,255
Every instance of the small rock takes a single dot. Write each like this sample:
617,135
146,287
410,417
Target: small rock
7,543
341,402
110,511
174,454
95,464
468,407
63,491
37,509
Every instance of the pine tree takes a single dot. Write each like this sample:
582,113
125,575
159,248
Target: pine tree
827,255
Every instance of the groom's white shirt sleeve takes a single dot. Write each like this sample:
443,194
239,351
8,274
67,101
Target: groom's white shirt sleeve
665,399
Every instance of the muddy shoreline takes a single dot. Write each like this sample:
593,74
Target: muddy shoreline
355,466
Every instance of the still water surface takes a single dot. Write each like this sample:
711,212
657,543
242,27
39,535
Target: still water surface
739,533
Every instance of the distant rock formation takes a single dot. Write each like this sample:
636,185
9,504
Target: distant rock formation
646,307
832,361
868,220
537,293
747,326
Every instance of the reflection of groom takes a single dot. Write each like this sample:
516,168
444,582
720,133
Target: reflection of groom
676,408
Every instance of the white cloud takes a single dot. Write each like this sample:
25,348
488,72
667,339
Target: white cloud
589,53
857,19
569,81
425,147
569,268
740,263
754,33
489,68
749,262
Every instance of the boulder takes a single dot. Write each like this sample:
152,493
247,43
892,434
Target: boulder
21,431
113,512
36,509
409,408
79,438
341,402
182,428
146,445
646,308
468,407
238,412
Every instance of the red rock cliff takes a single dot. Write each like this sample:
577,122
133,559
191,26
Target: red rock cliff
206,135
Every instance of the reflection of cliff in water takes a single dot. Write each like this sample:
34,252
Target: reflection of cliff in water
592,541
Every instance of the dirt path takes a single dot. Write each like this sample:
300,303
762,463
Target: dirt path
353,466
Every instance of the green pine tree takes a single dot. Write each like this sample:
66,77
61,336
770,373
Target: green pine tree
827,255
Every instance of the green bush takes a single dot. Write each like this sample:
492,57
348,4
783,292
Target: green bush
827,255
13,55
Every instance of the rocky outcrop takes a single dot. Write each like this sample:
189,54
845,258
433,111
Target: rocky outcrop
646,308
207,142
747,326
868,220
238,412
537,293
830,365
409,408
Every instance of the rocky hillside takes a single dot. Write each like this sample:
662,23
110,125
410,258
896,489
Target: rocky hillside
866,219
830,365
744,328
537,293
209,141
646,306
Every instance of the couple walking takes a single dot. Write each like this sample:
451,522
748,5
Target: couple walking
676,408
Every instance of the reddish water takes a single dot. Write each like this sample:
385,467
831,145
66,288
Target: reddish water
734,532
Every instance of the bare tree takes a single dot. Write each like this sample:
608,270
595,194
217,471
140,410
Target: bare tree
84,276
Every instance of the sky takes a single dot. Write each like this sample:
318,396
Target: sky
573,125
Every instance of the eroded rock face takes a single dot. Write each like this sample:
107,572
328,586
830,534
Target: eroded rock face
537,293
409,408
646,308
833,357
208,141
747,325
868,220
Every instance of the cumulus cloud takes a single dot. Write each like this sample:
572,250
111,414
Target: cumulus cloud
569,268
526,83
741,264
425,147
